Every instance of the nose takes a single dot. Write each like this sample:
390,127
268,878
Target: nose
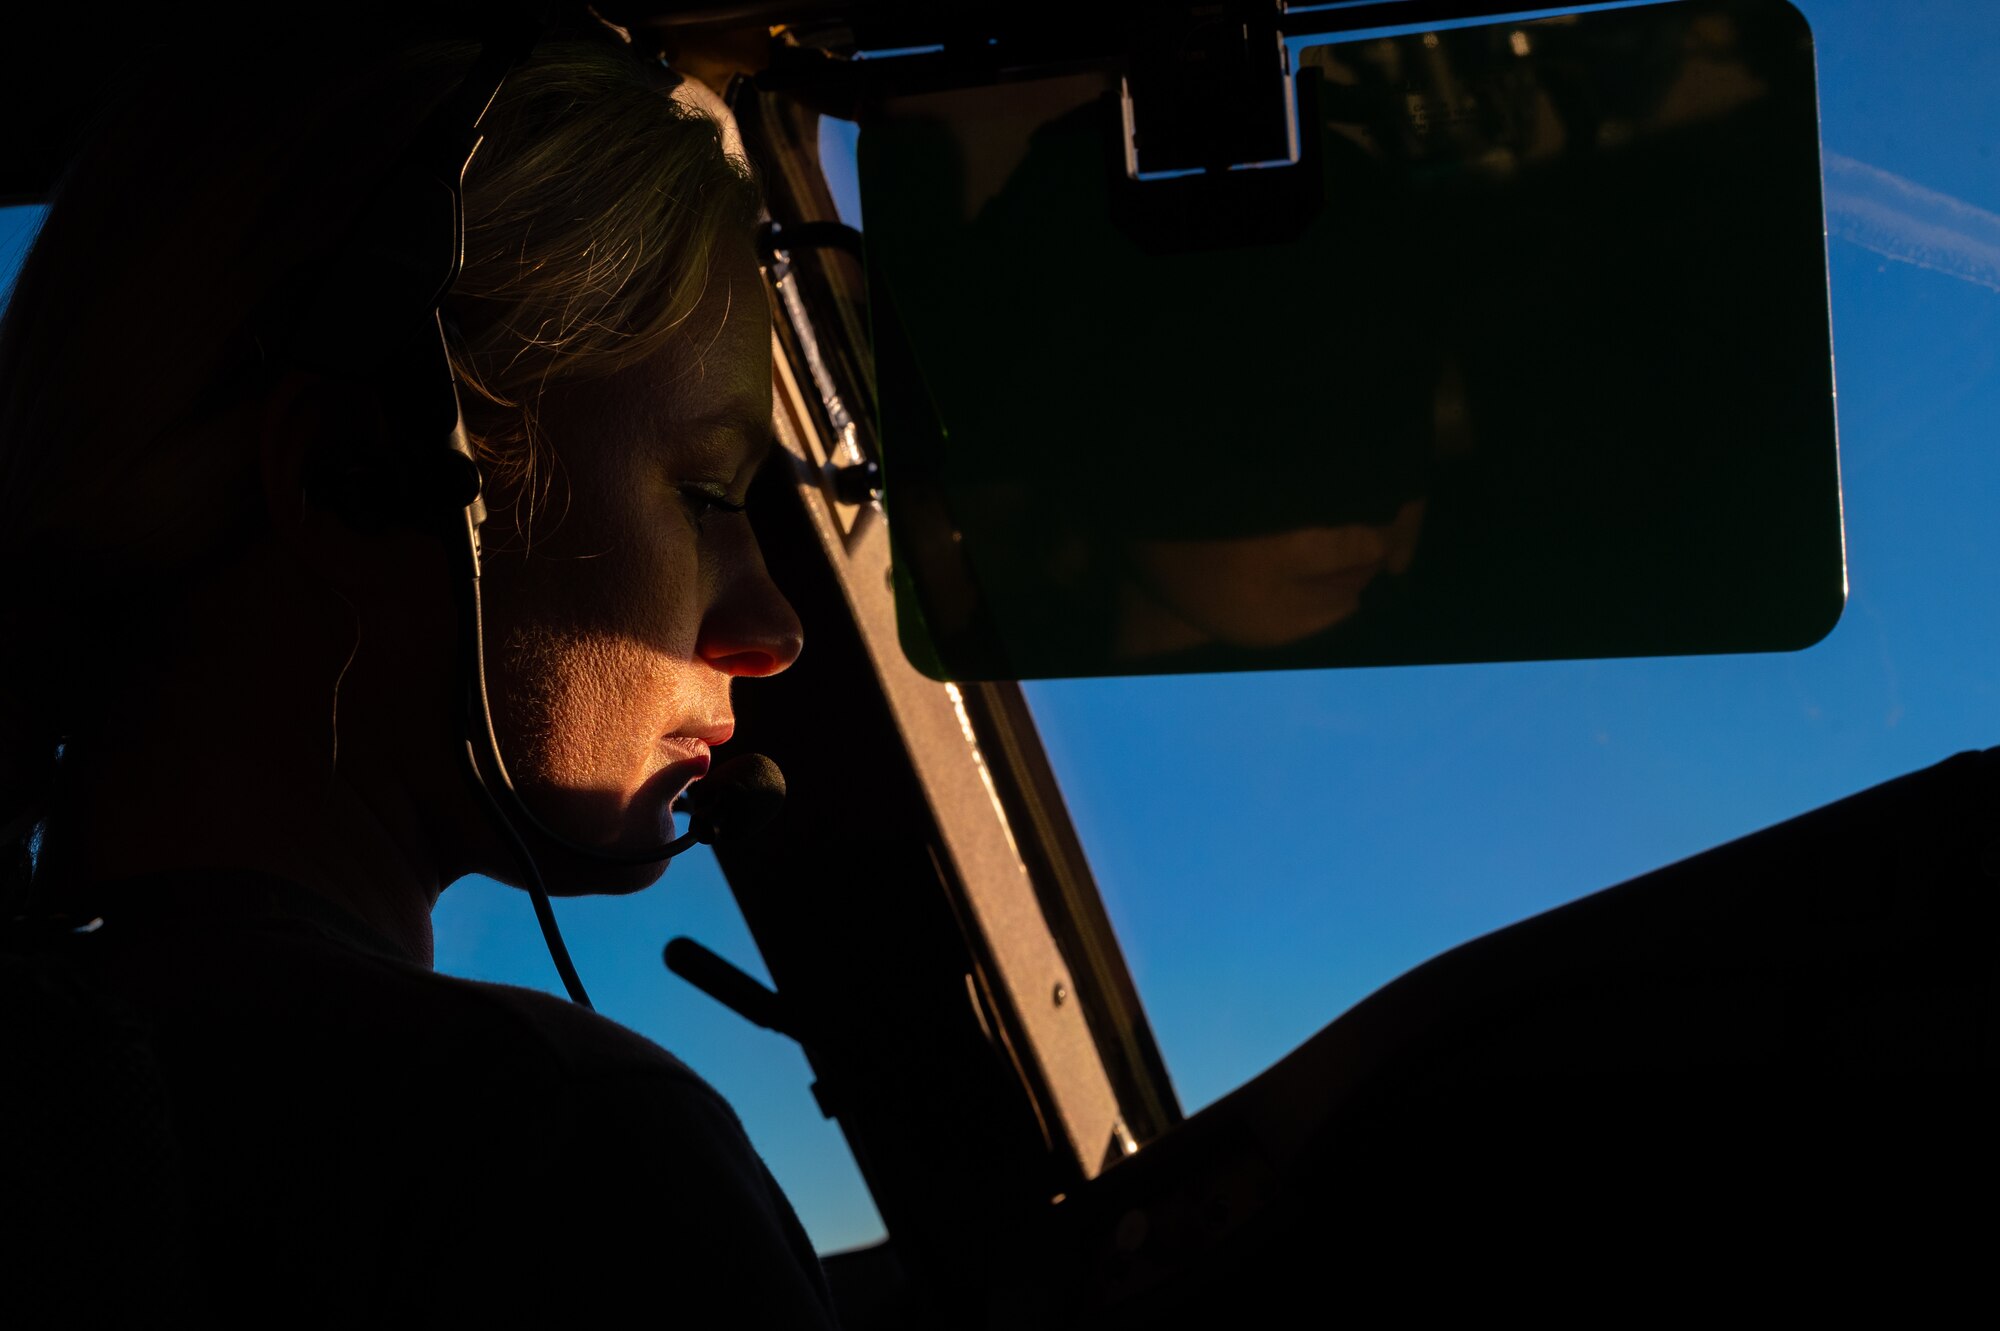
750,628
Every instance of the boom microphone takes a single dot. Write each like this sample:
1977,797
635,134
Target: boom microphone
738,799
741,796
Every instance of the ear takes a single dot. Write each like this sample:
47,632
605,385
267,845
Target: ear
322,448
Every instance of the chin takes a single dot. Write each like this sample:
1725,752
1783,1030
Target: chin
580,875
596,819
567,875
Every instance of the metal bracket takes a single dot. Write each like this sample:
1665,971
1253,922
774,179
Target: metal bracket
1209,88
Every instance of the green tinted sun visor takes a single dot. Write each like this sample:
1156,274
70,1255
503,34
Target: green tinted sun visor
1518,349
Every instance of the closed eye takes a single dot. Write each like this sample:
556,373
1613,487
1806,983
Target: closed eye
704,503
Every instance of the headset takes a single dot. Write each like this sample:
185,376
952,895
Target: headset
382,293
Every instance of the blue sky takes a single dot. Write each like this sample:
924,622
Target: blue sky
1273,847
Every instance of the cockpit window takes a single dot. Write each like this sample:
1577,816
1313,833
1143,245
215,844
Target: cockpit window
1272,847
17,232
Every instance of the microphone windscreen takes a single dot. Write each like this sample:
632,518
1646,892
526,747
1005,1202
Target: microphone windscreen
739,798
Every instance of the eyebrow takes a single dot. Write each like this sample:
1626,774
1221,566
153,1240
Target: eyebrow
759,429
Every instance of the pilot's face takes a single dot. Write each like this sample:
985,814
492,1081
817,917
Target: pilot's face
615,634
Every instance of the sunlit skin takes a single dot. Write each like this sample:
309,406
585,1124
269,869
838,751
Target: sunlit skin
300,717
1258,591
616,634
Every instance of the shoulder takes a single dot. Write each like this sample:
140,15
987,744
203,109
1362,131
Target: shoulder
336,1024
459,1143
631,1174
327,995
579,1140
560,1037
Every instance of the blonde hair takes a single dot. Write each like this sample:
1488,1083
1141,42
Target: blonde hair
131,347
603,280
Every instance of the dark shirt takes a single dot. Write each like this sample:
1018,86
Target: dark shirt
335,1134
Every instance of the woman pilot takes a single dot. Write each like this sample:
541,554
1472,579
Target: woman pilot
230,700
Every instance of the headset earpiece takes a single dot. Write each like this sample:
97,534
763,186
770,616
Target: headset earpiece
379,488
402,460
373,488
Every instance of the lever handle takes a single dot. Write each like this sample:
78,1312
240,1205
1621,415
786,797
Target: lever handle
727,985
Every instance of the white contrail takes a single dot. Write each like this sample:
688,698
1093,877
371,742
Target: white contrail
1901,220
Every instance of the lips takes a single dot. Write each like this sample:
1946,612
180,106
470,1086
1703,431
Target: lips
687,751
709,733
687,757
